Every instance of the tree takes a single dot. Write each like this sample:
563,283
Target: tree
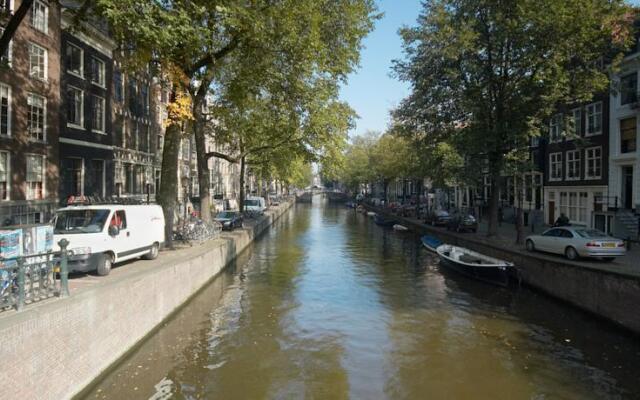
391,159
485,74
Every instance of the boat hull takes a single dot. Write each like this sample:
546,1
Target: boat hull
492,275
430,243
383,222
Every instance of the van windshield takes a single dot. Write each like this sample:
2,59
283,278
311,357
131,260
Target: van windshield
80,221
252,203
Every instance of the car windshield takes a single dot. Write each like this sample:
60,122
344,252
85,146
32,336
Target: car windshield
251,203
80,221
226,214
591,233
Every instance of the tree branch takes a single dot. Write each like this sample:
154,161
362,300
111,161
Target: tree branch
212,58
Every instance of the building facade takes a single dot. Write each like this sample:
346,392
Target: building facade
576,164
29,123
86,131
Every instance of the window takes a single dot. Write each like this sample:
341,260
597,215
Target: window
5,110
97,72
158,178
4,175
73,176
37,62
133,96
40,16
75,107
555,166
555,128
36,117
594,119
98,114
6,57
159,142
96,183
35,177
593,162
144,93
629,89
628,133
535,141
121,219
576,122
6,6
574,206
73,56
573,165
118,90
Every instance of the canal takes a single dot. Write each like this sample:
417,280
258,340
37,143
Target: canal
327,305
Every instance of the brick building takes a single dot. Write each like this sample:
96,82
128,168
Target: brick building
29,123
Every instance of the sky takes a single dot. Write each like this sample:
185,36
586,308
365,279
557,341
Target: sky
371,90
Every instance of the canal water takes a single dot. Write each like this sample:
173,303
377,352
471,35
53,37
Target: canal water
327,305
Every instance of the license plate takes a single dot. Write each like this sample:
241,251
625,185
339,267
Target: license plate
608,245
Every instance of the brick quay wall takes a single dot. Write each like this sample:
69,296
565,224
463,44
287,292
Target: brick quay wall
55,349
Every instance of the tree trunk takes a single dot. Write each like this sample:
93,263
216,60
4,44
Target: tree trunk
493,205
202,164
169,187
418,188
242,191
13,24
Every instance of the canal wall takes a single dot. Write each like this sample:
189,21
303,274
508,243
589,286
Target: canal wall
609,294
55,349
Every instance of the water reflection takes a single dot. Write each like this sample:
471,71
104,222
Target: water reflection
329,305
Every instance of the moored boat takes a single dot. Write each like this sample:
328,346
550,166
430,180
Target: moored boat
475,265
371,213
400,228
382,221
431,242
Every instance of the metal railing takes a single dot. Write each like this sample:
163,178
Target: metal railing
28,279
605,203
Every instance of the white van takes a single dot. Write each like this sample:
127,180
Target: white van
255,204
102,235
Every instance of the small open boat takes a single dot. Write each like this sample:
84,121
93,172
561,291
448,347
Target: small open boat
382,221
431,242
475,265
371,213
400,228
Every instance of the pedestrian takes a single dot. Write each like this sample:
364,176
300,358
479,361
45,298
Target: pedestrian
562,220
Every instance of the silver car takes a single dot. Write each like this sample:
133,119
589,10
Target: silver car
574,242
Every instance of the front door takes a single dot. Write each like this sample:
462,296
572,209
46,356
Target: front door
552,212
627,187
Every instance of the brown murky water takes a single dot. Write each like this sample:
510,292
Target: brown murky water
328,305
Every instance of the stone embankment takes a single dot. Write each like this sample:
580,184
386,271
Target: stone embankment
55,349
603,291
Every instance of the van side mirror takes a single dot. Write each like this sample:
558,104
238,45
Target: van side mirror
113,230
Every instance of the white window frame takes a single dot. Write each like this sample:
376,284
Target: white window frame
71,124
81,74
573,160
44,117
9,50
35,7
8,172
43,76
28,193
555,159
577,127
588,158
2,86
102,73
555,128
104,111
590,111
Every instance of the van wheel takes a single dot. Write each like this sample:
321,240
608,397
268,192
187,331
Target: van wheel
153,252
104,264
571,253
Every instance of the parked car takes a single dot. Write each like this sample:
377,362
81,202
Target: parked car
255,204
437,217
462,222
102,235
229,220
574,242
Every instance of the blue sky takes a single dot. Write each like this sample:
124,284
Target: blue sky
371,90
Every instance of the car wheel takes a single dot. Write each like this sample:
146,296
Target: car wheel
153,252
608,259
105,262
530,245
571,253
